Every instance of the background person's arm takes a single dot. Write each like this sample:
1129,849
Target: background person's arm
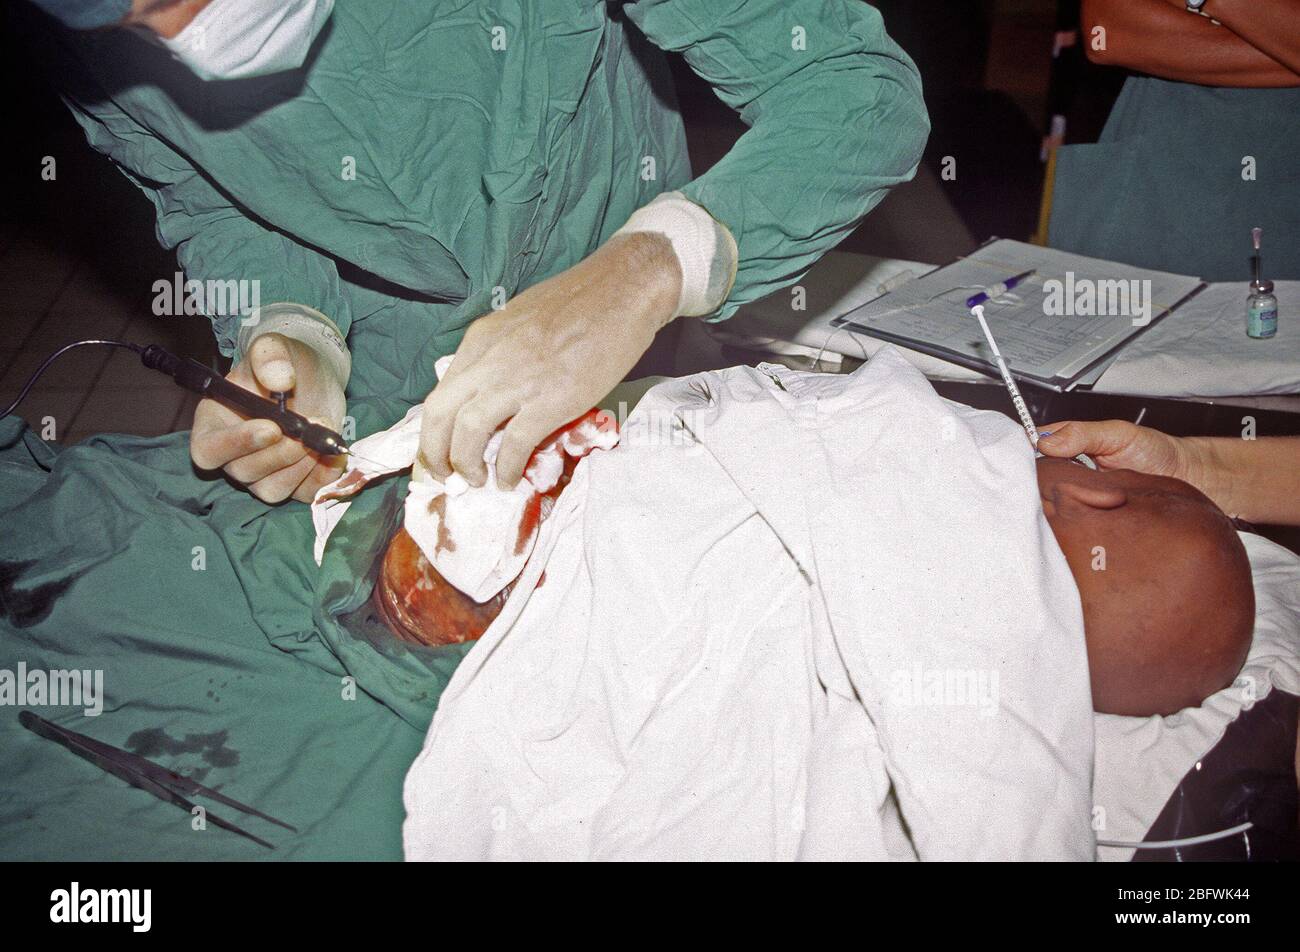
1159,38
1272,26
1256,480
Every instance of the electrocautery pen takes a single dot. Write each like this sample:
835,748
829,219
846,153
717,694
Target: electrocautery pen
206,382
195,377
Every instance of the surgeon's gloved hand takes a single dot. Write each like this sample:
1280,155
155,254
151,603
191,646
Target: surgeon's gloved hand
548,356
1117,444
255,453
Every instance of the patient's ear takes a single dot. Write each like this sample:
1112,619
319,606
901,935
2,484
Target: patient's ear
1088,492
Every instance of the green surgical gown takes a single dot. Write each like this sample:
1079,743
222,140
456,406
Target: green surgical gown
427,155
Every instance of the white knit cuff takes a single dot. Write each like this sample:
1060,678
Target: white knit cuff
705,249
304,324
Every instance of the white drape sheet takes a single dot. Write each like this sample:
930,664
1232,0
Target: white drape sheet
790,616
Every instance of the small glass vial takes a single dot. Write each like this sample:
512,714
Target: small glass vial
1261,311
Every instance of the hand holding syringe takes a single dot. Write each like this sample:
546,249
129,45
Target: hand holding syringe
1022,409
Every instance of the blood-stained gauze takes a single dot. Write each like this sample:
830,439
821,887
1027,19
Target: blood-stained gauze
448,571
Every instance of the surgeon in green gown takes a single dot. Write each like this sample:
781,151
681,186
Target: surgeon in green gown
502,180
1201,145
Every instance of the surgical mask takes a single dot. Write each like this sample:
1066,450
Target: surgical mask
237,39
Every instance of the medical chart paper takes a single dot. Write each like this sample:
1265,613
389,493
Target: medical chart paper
1060,328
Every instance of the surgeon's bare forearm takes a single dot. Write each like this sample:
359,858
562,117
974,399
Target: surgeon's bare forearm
1155,37
1256,480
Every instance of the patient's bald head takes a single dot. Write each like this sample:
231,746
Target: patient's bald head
1168,604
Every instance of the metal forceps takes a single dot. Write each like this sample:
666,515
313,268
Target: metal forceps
147,775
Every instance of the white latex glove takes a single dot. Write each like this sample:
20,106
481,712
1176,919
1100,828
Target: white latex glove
255,453
548,356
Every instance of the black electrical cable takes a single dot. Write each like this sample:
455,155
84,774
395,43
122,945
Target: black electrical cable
31,381
204,381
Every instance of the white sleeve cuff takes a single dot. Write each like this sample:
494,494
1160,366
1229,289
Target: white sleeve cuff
304,324
705,249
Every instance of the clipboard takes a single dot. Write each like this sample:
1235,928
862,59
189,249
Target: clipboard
1059,329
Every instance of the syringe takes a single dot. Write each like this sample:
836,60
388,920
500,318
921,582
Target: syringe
1022,409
